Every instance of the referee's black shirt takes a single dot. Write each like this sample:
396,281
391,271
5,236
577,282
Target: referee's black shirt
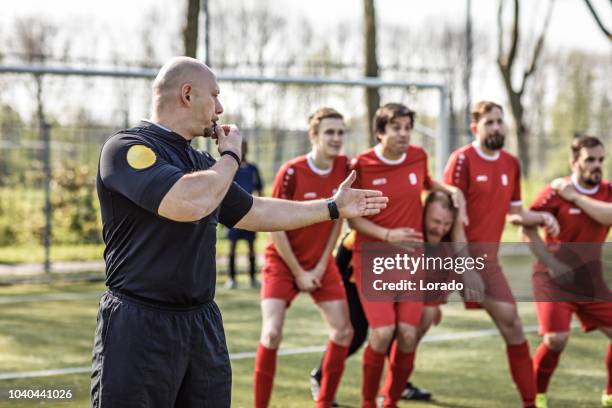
146,255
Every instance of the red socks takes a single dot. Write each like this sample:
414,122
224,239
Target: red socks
263,378
332,368
521,368
545,362
373,364
400,367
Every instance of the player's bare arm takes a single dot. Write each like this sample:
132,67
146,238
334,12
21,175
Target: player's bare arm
600,211
456,195
473,283
197,194
273,214
559,271
321,265
391,235
306,281
527,218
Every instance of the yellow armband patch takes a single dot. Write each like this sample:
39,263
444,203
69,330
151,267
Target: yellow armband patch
140,157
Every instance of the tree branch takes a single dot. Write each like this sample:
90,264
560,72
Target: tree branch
606,32
515,35
538,48
500,33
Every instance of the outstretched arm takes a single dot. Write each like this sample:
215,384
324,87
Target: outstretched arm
273,214
391,235
527,218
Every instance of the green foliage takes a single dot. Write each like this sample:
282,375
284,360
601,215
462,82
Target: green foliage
75,205
572,110
582,106
573,107
75,208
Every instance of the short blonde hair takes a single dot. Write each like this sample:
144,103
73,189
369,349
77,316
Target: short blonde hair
317,117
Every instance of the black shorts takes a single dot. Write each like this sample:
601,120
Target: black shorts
146,355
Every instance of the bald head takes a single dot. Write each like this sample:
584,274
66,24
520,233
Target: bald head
178,71
185,96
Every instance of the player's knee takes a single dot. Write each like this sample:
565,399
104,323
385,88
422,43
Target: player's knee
381,337
407,338
271,337
556,341
342,335
511,323
424,326
422,332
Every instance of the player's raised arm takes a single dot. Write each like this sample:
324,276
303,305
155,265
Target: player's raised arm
457,197
272,214
599,210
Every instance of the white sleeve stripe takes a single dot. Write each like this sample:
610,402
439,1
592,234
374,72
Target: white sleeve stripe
516,203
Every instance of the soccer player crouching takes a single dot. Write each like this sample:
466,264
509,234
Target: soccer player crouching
301,260
400,170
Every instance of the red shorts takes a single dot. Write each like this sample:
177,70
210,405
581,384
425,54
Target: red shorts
557,316
278,282
386,313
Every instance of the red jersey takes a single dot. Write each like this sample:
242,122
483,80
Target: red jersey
576,225
490,185
300,180
401,180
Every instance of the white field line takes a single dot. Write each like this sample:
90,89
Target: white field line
437,338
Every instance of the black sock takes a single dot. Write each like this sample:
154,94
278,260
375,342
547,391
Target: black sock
232,267
252,266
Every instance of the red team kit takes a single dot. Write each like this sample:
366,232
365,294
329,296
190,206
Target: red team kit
490,180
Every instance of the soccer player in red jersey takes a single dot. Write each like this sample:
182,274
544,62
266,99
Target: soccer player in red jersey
490,179
582,204
301,261
400,170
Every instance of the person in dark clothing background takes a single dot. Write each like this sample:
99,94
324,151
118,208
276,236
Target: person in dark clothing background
250,180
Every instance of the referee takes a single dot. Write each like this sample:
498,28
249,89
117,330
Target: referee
159,338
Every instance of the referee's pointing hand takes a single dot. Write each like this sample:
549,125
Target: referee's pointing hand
353,202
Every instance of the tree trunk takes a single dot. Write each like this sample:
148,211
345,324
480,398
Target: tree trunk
371,63
190,30
522,131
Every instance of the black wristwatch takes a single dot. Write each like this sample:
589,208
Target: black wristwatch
334,214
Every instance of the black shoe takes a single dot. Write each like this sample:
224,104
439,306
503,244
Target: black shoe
414,393
315,385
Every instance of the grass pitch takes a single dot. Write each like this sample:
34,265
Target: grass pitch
51,327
